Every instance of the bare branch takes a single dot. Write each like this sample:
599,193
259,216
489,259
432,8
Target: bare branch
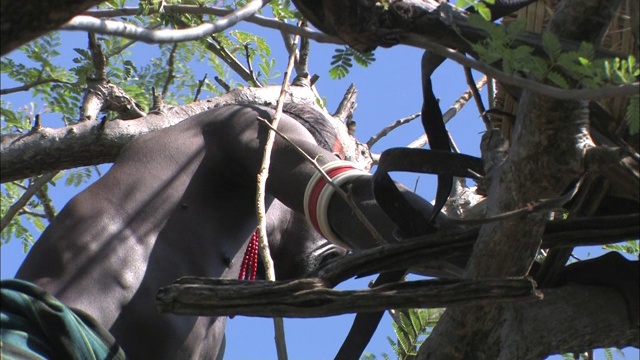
302,63
255,19
98,58
170,67
261,210
35,153
344,111
477,98
27,87
254,80
375,138
222,84
24,199
213,45
199,89
108,27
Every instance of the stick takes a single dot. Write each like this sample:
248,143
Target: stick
278,324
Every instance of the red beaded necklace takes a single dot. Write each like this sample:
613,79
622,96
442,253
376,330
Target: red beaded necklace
249,266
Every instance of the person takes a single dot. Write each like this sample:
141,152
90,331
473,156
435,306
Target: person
181,201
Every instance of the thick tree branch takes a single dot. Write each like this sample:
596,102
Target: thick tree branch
108,27
199,10
46,150
546,155
311,298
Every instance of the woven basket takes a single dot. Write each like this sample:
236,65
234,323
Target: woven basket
619,38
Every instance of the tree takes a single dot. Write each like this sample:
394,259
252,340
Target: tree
105,80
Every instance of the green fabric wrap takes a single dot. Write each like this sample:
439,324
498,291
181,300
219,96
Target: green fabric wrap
35,325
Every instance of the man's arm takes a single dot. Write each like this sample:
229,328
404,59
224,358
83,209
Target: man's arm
290,174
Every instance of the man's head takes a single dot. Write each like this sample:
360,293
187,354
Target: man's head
330,133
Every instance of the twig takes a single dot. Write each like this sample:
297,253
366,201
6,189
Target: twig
375,138
33,213
249,66
27,87
47,204
98,58
302,65
158,102
24,199
108,27
539,205
170,66
213,45
477,98
222,84
287,42
199,89
278,324
344,111
36,124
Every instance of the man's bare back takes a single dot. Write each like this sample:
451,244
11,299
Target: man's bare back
181,201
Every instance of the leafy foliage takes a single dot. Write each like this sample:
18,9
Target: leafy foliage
479,6
411,328
564,69
30,216
342,61
632,116
631,247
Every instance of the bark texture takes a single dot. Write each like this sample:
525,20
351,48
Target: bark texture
311,297
87,143
549,143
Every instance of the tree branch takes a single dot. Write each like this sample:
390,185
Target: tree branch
544,158
520,82
24,199
261,209
310,297
199,10
108,27
83,144
396,124
30,85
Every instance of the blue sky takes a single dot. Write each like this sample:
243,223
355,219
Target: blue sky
388,90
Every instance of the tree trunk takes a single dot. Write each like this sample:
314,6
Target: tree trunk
546,156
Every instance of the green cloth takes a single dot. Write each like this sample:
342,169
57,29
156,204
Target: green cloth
35,325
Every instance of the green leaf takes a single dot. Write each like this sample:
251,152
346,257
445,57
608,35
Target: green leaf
338,72
407,326
551,45
415,321
632,115
558,79
394,346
